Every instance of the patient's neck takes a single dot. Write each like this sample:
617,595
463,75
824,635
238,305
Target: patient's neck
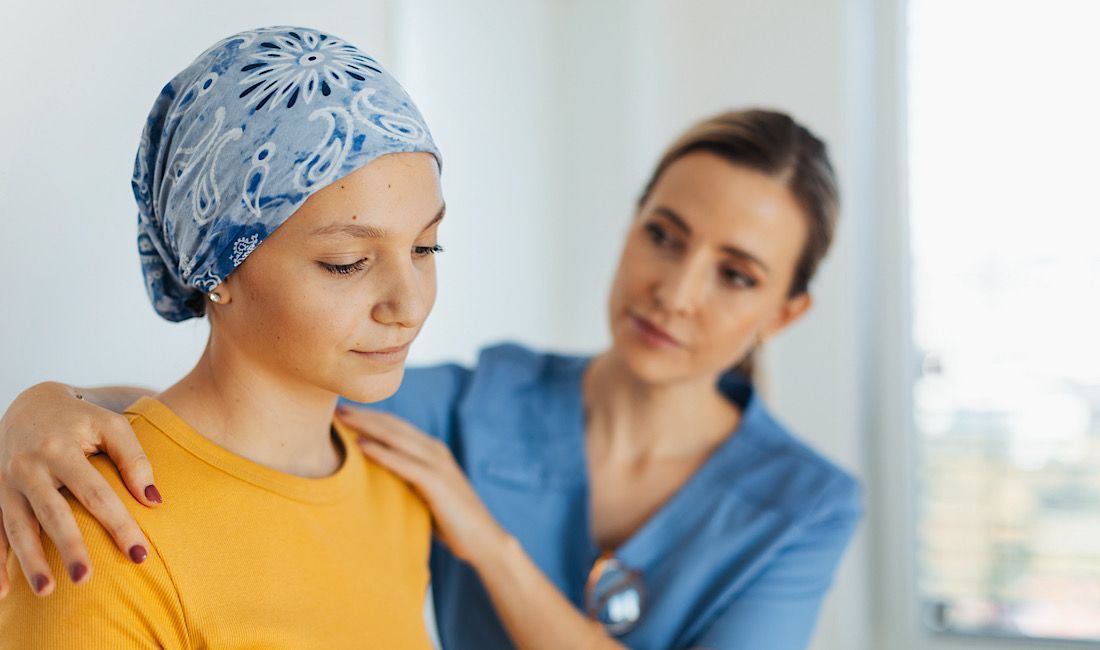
258,413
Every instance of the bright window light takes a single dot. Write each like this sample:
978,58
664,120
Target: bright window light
1004,139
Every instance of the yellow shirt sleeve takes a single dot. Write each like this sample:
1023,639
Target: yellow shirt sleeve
121,605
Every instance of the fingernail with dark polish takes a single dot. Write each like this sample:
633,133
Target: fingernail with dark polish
77,571
138,554
40,583
153,494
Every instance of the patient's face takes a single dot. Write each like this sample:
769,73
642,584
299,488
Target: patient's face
331,300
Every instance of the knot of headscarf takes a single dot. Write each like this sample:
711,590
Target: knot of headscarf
237,141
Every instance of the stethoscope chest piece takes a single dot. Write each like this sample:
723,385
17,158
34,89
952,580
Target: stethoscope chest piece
615,596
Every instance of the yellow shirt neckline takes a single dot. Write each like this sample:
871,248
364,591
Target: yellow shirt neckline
311,490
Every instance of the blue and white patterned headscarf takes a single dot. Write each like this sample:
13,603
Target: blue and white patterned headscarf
240,139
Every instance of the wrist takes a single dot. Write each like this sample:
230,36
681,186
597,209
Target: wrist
495,550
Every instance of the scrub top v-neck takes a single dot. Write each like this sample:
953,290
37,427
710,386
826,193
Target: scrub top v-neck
739,557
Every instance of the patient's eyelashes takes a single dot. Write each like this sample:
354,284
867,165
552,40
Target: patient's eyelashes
359,265
345,269
424,251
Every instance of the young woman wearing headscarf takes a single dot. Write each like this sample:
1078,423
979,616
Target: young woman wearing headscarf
643,497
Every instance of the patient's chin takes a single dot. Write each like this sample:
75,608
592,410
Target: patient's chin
375,387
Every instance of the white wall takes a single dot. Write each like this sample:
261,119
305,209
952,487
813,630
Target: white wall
549,114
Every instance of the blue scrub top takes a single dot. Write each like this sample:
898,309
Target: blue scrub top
738,559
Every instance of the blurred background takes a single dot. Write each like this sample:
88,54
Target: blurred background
950,361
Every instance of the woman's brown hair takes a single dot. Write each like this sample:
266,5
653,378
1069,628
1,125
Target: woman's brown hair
773,143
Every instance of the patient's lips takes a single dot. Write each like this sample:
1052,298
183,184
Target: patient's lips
386,356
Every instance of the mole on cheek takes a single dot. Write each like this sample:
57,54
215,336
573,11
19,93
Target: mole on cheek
354,217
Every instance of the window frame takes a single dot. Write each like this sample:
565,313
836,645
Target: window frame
892,434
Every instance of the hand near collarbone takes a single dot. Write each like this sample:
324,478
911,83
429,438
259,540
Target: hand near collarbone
461,519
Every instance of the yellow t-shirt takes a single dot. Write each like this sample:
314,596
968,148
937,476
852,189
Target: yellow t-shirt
242,556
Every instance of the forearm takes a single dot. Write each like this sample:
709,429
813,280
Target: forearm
534,612
112,398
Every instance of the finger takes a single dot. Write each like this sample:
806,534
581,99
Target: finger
412,444
23,534
5,584
359,418
55,516
369,418
408,468
393,432
122,446
95,494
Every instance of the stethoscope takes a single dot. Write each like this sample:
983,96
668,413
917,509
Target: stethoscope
614,595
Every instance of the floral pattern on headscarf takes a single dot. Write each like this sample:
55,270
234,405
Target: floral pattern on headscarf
237,141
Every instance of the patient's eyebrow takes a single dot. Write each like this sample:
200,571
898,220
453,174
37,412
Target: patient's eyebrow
362,230
365,230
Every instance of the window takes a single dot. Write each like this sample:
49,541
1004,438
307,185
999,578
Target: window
1004,187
